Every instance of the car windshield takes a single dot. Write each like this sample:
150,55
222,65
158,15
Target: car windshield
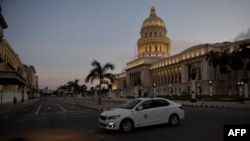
130,104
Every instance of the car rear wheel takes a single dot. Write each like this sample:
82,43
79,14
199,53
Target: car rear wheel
126,125
173,120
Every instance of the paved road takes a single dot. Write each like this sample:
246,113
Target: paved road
53,120
49,119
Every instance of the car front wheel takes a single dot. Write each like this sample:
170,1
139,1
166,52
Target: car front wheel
173,120
126,125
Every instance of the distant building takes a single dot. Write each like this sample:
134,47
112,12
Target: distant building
157,72
31,82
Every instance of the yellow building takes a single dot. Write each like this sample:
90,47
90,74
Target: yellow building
31,82
16,79
157,72
12,74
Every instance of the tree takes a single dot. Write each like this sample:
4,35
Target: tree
223,61
73,86
244,53
100,73
235,62
220,60
83,89
213,59
92,91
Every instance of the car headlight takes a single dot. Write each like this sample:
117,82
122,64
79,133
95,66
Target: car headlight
114,117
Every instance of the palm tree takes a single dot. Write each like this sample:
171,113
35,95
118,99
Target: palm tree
244,53
100,73
224,61
74,86
213,59
92,91
225,67
83,89
218,59
235,62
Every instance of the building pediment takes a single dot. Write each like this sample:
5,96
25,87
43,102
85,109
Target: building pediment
141,61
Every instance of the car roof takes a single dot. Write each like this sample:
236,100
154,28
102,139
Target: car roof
151,98
155,98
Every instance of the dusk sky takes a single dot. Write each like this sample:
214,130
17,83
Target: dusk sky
61,38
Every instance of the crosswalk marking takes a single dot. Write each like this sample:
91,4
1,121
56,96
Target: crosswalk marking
38,109
61,108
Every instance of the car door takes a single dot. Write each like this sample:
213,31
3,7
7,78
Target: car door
161,110
144,116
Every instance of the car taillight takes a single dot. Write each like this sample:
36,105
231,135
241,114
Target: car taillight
181,107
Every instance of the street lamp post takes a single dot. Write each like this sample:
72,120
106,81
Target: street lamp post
240,87
135,88
110,90
192,75
170,89
121,93
210,88
193,90
154,89
246,88
198,89
1,102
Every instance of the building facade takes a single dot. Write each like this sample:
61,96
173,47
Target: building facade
31,82
16,79
157,72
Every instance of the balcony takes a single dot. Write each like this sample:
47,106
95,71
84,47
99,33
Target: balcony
11,77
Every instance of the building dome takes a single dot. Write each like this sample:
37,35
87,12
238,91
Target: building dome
154,42
153,20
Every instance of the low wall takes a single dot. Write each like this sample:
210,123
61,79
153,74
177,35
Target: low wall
8,96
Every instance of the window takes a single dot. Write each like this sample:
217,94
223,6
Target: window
147,104
130,104
160,103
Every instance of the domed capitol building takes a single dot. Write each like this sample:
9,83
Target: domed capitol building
156,72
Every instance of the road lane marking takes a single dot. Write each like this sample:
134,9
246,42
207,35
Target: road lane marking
38,109
61,108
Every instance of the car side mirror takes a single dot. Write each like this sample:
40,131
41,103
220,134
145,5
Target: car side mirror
139,108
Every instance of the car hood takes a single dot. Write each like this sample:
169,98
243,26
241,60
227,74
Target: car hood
115,111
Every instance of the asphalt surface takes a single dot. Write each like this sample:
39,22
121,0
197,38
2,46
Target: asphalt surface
50,119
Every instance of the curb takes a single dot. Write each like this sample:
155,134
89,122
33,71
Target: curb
115,103
205,106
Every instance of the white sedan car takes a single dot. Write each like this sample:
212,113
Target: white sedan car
142,112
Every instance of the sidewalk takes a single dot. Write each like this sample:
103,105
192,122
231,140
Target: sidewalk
114,103
7,108
215,104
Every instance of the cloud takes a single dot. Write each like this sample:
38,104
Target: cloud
243,35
